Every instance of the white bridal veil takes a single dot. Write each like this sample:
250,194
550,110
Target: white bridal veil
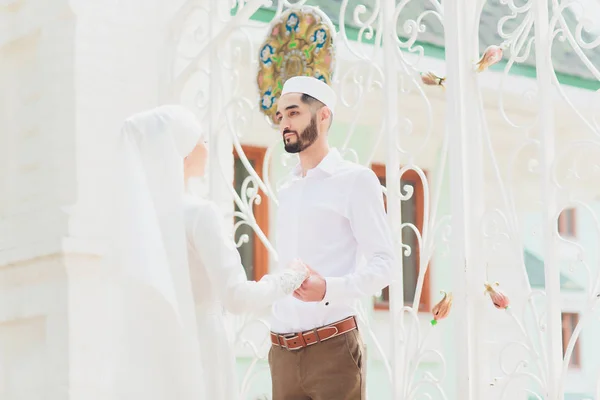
155,353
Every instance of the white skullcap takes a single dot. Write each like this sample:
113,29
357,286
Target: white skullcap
313,87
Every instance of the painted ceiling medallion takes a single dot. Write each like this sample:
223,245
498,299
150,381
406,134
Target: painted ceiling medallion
300,42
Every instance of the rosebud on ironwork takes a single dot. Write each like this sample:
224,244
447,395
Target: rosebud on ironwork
499,299
432,79
491,56
442,309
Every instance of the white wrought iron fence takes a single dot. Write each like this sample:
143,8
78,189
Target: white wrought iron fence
479,167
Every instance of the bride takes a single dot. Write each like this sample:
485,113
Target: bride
178,266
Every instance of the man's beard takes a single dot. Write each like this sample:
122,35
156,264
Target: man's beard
308,136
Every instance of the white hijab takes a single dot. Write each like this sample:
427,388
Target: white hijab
155,333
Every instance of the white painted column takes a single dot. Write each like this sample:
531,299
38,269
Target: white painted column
392,166
467,198
116,73
548,197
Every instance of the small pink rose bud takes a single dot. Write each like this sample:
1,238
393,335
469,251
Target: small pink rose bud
499,299
491,56
432,79
442,309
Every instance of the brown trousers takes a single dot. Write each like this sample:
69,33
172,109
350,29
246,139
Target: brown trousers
331,370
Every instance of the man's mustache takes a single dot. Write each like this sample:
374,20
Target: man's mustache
286,131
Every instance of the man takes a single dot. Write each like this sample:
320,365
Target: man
330,214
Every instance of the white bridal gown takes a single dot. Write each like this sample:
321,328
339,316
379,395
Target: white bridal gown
219,283
174,271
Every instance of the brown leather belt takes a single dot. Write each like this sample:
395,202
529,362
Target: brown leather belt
304,339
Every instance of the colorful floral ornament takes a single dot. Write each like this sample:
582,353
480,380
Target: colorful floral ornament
499,299
442,309
432,79
299,43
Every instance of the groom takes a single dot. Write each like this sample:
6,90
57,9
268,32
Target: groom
330,213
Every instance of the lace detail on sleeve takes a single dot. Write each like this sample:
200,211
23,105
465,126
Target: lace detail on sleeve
290,279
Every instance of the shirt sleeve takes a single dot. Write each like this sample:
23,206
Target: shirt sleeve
222,261
370,228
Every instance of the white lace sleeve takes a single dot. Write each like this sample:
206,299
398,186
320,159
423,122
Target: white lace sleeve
290,279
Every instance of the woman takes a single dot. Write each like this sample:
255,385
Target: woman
175,250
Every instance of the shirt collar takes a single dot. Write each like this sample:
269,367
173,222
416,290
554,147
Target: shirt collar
327,164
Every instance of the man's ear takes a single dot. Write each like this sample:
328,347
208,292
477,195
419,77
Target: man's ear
325,114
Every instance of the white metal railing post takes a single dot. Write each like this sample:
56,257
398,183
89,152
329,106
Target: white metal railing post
392,166
548,197
213,104
219,92
467,196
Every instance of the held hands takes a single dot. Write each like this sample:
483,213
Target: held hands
292,277
305,283
313,288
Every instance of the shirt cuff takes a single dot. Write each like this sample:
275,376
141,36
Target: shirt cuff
334,290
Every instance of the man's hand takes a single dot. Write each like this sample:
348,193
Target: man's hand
313,288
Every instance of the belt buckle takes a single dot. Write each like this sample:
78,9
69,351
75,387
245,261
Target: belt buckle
316,332
281,340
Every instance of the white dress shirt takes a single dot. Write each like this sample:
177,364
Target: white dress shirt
330,219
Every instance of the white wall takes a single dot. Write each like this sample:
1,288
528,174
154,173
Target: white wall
70,72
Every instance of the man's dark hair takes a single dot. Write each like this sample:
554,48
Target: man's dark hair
314,105
311,101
